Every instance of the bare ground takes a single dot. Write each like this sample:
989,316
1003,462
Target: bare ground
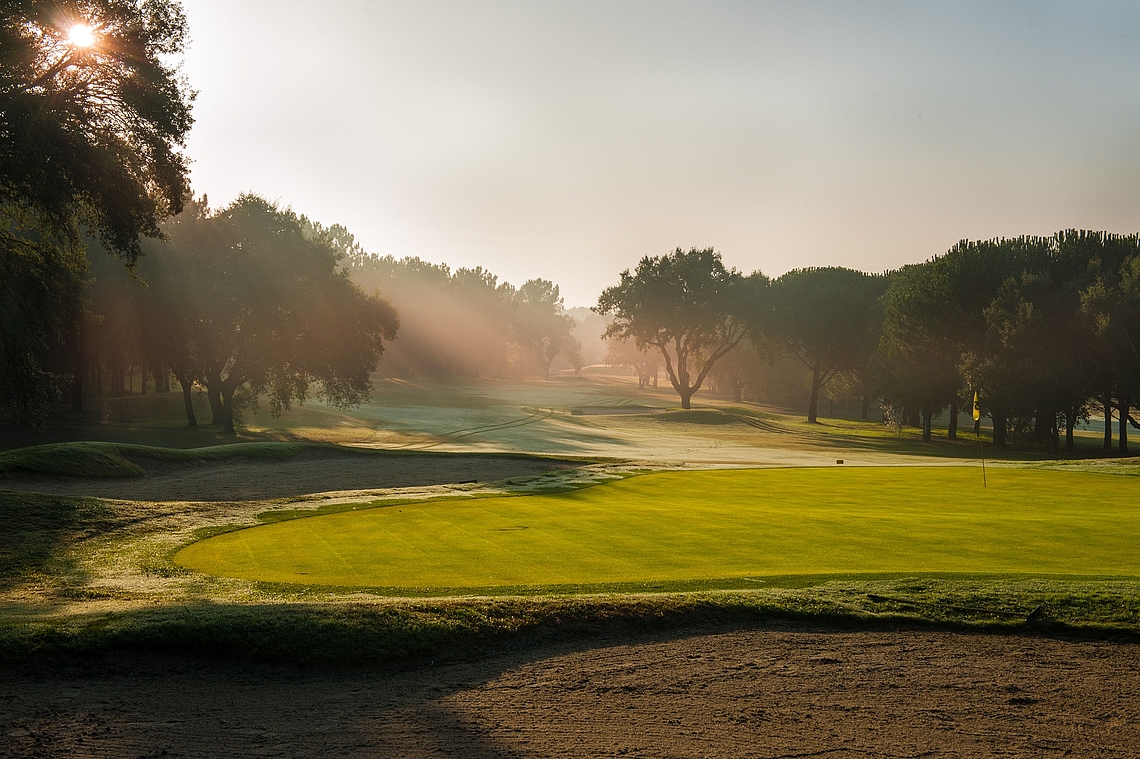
311,471
795,692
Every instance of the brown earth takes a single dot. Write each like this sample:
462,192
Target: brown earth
795,692
311,471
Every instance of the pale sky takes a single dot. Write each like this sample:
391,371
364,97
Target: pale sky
567,140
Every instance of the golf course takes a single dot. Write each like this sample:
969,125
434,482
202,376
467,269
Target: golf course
430,554
711,526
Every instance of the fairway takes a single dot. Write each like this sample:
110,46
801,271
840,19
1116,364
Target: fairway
710,525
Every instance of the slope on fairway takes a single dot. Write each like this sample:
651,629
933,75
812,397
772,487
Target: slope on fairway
686,526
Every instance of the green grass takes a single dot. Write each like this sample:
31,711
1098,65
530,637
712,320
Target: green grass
680,528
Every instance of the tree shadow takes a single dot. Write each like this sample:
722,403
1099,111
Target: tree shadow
35,530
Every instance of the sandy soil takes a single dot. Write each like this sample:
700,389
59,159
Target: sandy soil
247,479
792,692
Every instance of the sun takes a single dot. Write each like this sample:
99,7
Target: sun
81,35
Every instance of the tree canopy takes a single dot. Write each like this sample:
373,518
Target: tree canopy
688,306
540,325
827,317
90,143
257,300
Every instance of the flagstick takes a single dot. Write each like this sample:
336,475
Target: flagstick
982,448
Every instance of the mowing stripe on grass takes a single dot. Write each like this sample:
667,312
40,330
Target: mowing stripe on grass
684,526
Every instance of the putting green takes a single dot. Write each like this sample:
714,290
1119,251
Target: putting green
692,526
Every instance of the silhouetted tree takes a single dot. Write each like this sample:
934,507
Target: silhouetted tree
1112,300
686,305
829,318
260,302
90,140
540,325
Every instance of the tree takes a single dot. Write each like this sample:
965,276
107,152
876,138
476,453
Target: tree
644,361
540,325
91,138
918,358
829,318
259,301
689,307
737,371
1113,302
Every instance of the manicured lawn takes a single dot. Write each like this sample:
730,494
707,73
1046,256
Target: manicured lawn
689,526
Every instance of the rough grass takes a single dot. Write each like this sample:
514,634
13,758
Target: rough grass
373,631
711,528
102,459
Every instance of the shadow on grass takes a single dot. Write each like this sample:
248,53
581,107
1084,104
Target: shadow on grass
36,530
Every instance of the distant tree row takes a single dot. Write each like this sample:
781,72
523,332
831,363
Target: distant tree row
694,313
466,322
1046,330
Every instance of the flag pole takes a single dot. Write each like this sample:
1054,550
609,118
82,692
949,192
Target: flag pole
981,443
982,448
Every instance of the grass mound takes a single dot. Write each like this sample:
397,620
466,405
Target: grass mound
359,632
100,459
693,530
36,531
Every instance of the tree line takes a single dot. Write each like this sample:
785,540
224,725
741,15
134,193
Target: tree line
466,322
253,301
1044,330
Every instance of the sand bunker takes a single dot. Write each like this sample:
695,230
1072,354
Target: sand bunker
794,692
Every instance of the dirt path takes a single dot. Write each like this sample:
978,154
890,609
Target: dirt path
761,693
249,479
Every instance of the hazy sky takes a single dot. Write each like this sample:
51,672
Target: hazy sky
567,140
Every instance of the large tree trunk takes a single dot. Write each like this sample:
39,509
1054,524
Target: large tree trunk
686,398
228,412
999,419
866,407
926,423
214,393
1108,420
188,401
952,429
813,404
1070,425
1122,433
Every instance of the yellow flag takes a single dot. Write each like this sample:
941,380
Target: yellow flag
977,408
